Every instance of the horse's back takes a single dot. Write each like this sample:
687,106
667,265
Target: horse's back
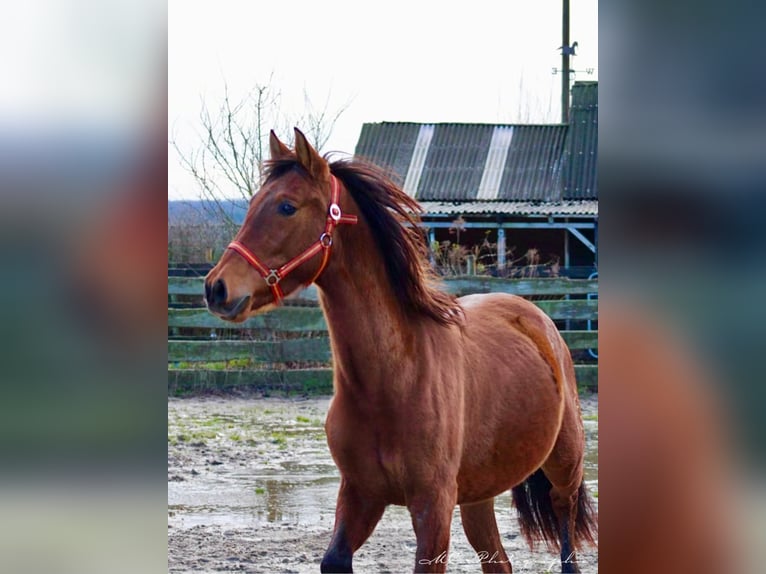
510,332
502,321
510,309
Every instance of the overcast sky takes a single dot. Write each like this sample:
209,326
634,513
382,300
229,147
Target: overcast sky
420,61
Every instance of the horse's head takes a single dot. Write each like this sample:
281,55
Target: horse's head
286,238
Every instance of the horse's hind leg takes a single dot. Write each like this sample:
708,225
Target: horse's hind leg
480,527
355,518
565,510
564,470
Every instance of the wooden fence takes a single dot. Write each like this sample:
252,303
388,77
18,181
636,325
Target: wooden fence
288,349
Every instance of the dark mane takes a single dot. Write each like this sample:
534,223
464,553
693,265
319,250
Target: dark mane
393,218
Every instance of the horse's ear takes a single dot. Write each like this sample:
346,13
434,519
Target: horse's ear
278,149
307,155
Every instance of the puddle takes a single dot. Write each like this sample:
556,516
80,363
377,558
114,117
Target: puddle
244,463
276,500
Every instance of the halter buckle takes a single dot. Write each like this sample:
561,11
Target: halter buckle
325,240
272,278
335,212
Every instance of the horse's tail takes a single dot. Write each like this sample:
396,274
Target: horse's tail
538,519
533,502
586,522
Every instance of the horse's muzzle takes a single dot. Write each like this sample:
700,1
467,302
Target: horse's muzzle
215,297
215,294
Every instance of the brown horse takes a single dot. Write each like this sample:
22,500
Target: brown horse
437,401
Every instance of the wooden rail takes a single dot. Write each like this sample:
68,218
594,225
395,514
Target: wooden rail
303,381
462,285
297,335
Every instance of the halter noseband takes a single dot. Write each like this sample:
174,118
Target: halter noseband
273,276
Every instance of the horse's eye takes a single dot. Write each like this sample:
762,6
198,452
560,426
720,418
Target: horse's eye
287,209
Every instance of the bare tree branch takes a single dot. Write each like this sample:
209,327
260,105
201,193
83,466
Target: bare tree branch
320,122
228,163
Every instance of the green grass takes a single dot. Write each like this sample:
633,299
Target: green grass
279,439
197,435
302,419
590,417
231,364
260,490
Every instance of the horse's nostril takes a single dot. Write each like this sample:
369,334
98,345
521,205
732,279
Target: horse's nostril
216,295
207,291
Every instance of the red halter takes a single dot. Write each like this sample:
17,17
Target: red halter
273,276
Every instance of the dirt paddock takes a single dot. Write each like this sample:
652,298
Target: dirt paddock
252,487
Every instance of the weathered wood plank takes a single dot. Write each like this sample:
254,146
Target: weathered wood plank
193,286
188,286
587,376
574,309
311,319
466,285
282,319
305,381
315,349
580,339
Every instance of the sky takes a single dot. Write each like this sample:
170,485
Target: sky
483,62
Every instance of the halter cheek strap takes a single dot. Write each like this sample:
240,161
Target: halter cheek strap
322,245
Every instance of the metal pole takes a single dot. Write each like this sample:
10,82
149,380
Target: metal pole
595,242
431,242
501,249
565,63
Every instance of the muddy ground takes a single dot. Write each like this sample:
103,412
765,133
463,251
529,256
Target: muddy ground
252,487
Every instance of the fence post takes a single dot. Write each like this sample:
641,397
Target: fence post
470,264
431,242
500,249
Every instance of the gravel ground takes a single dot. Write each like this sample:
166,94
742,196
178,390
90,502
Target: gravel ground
252,486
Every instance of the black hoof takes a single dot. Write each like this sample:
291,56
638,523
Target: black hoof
334,562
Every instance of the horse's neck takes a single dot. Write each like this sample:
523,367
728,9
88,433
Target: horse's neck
369,332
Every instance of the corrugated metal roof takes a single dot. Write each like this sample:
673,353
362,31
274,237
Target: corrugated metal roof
587,208
579,168
458,155
419,154
494,167
455,162
389,145
466,162
532,169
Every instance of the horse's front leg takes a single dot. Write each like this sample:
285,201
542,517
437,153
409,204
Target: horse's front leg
356,516
431,512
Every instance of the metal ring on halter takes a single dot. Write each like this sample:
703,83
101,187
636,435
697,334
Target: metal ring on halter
335,212
325,240
272,278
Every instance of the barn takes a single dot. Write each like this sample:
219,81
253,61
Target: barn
501,199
